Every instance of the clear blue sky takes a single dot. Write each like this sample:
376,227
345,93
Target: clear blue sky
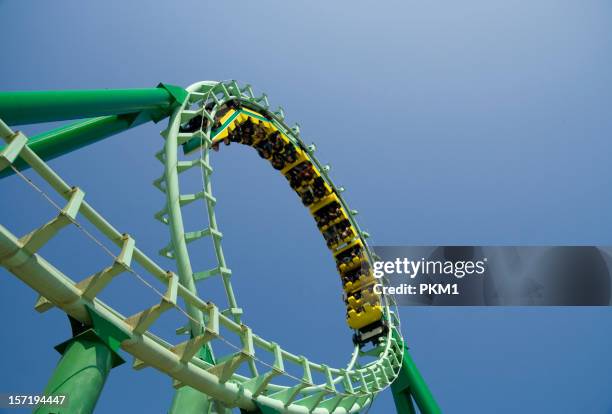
473,122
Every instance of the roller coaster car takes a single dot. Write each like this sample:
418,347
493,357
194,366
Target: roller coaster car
352,276
242,132
371,333
364,316
309,185
350,257
217,122
328,212
264,113
310,194
249,127
319,188
358,299
222,111
338,234
356,278
300,175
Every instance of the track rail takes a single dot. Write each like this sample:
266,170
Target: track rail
345,390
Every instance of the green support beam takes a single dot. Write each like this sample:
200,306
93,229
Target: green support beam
87,359
31,107
188,400
59,141
81,373
152,104
410,385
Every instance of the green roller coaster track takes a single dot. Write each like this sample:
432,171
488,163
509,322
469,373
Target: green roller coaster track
205,382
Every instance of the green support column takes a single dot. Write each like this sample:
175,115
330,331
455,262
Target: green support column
81,373
410,385
189,400
87,358
30,107
59,141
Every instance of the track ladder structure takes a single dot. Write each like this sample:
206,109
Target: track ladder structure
206,380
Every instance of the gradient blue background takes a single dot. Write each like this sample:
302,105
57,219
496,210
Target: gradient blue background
475,122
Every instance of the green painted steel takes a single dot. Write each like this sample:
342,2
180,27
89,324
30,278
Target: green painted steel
188,400
206,102
129,108
261,410
30,107
409,385
59,141
203,381
403,402
80,374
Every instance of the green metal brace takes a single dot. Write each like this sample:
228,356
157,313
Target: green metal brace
87,359
31,107
410,385
115,110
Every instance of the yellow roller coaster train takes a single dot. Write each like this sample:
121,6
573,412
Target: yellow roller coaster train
234,122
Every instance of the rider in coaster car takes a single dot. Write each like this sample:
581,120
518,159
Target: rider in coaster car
325,214
331,215
332,240
298,174
319,187
223,109
352,275
307,197
247,129
277,162
193,125
348,257
306,175
344,229
331,236
295,171
264,149
346,233
259,133
277,142
289,153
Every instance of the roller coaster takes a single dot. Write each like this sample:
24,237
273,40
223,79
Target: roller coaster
202,118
